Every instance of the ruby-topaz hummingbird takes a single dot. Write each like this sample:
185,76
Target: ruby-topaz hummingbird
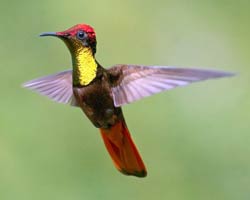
101,92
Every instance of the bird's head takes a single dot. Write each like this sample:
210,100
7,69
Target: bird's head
77,37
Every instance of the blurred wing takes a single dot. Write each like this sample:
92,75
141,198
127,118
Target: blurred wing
131,83
57,87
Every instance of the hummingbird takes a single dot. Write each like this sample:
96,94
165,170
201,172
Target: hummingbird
100,92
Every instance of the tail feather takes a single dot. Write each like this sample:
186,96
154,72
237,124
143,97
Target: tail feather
122,150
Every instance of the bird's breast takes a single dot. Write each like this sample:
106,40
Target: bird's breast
97,103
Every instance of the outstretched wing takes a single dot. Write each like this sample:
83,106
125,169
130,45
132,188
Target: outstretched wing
57,87
131,82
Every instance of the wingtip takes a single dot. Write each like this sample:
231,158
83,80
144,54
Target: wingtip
214,74
24,85
229,74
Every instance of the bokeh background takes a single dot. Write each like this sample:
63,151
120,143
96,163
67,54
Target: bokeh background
194,140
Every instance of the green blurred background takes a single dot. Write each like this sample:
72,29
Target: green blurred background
194,140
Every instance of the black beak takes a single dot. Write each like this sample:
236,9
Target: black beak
48,34
61,35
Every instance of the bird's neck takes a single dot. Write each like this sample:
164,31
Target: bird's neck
84,66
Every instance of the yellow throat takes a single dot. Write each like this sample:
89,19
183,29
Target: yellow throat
84,66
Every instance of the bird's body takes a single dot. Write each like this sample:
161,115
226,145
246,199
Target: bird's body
88,98
96,101
101,92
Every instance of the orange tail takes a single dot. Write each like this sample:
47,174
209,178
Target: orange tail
122,150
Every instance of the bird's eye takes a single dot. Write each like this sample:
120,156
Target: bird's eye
81,35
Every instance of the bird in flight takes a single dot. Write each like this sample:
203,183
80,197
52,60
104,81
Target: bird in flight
101,92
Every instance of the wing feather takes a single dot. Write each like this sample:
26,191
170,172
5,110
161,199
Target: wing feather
134,82
57,87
